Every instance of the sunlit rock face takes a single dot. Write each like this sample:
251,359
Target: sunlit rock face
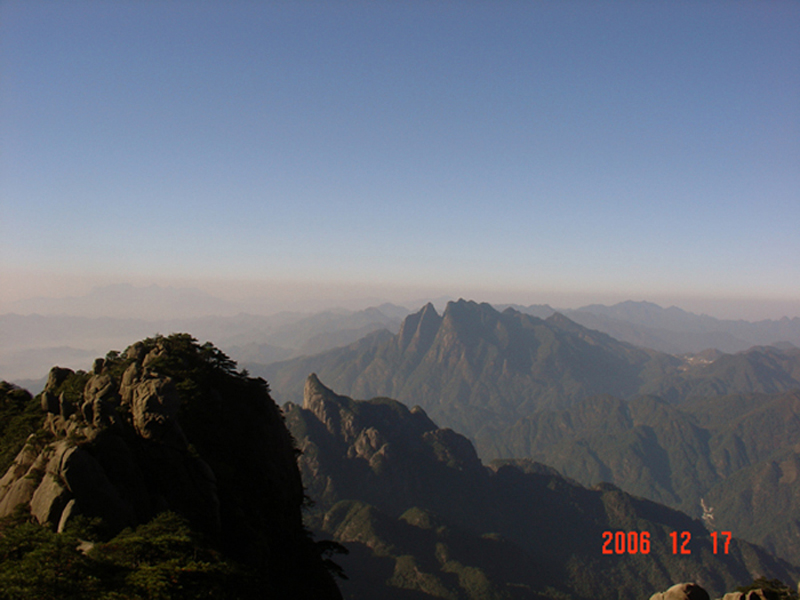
682,591
122,456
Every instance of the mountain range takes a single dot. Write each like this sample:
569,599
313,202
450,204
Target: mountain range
126,301
67,331
479,370
171,425
677,331
713,426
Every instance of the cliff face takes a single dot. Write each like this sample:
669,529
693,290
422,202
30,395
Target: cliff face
379,451
171,426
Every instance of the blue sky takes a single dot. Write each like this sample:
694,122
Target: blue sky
519,151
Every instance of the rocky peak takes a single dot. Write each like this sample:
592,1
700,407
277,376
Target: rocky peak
89,466
379,444
469,320
560,320
315,393
334,411
56,377
347,419
461,308
419,329
453,449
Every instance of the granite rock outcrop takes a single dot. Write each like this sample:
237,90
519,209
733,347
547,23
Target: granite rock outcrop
170,425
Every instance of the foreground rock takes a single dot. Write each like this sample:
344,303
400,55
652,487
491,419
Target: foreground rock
172,426
682,591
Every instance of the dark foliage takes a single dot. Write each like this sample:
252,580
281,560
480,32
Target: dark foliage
20,416
162,559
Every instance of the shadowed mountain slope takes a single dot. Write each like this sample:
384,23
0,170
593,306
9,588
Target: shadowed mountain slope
740,453
424,518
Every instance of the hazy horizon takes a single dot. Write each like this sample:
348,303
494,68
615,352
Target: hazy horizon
263,299
311,155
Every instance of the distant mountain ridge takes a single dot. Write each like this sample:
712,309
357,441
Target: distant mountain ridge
675,330
31,344
592,407
761,369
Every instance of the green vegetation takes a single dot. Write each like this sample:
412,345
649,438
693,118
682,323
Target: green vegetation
736,453
20,416
162,559
72,387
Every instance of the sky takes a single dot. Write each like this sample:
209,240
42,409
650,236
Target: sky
530,152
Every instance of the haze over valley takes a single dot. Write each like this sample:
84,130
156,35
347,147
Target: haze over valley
41,332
